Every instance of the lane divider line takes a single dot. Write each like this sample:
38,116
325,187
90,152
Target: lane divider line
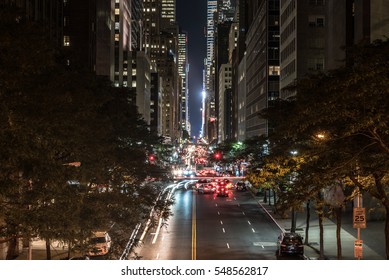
193,227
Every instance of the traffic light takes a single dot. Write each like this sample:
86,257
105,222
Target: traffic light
218,156
151,158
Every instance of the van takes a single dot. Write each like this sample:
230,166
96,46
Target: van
100,244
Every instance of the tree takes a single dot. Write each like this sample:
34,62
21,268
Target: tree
348,107
51,115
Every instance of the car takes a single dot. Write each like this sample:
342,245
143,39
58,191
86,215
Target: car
206,188
240,186
228,183
290,243
78,258
221,190
100,244
202,182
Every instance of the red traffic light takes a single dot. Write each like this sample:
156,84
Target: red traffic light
151,157
218,156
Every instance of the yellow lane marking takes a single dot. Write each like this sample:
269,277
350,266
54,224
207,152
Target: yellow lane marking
193,227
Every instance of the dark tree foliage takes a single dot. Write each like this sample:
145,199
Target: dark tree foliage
51,116
338,122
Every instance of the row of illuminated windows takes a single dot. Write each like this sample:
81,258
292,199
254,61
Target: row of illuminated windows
148,10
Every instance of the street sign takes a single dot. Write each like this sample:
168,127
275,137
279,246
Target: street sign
358,246
359,217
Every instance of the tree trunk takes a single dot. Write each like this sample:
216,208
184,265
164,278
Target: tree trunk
48,249
11,252
320,214
293,220
269,197
338,212
274,201
69,249
321,236
387,230
308,217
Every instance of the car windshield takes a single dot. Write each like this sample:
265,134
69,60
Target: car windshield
96,240
292,240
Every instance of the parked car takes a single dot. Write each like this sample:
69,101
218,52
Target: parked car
290,243
80,258
100,244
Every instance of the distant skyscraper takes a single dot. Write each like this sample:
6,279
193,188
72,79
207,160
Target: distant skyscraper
209,72
168,10
122,43
183,70
209,111
161,43
224,116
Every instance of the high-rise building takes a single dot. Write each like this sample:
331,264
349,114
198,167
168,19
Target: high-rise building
168,11
370,20
121,75
237,60
136,24
222,36
141,83
303,33
225,110
161,44
262,64
210,33
220,15
183,71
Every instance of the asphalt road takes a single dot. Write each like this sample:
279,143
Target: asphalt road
208,227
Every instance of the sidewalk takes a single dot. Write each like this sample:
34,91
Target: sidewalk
373,235
58,251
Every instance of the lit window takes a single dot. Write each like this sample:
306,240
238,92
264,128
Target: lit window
117,11
134,84
274,70
66,41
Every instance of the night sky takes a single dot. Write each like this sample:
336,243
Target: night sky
192,18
